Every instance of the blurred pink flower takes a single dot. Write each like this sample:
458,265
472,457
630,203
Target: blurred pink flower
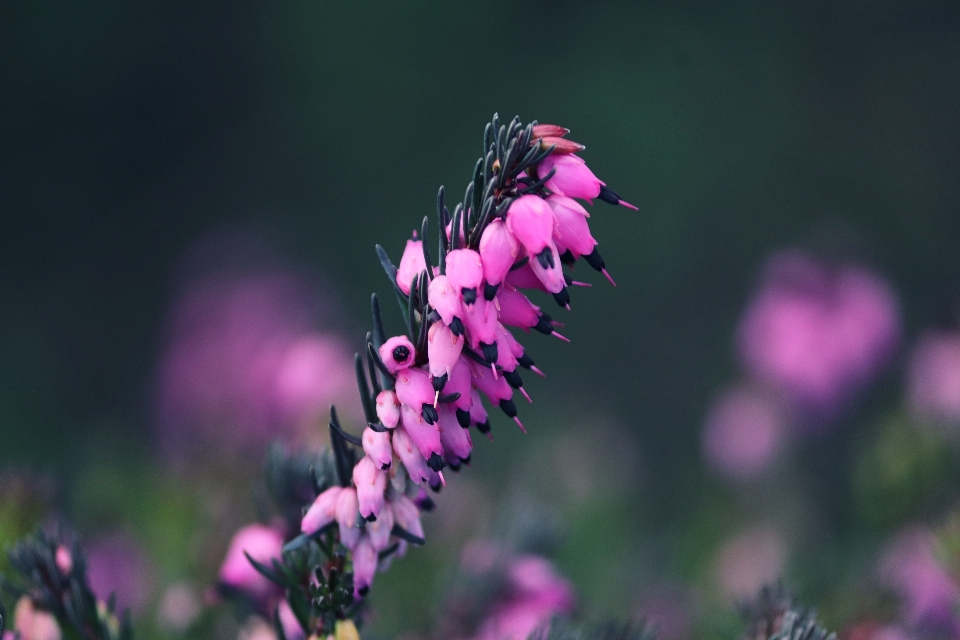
934,377
743,433
263,543
32,623
116,563
242,364
752,558
532,594
928,594
817,333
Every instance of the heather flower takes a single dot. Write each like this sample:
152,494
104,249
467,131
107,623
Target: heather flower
465,273
572,178
32,623
347,512
752,558
322,512
933,384
817,334
499,251
376,444
411,264
388,408
743,433
263,544
370,482
117,564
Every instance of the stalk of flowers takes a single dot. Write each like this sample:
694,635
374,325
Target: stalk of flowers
519,223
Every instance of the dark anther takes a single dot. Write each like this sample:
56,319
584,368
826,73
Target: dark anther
463,417
433,316
490,352
483,427
545,258
448,398
385,466
466,460
439,382
469,295
454,465
456,327
430,414
400,354
489,291
567,257
371,518
595,260
520,263
436,486
544,324
435,462
562,298
525,361
363,590
426,503
509,408
609,195
513,378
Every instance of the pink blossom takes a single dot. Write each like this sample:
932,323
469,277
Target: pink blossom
117,563
263,544
443,350
819,335
398,353
32,623
531,222
322,512
411,264
376,444
752,558
364,566
743,433
465,273
572,232
498,251
445,299
388,408
928,594
371,482
379,530
425,435
934,377
571,178
409,454
348,508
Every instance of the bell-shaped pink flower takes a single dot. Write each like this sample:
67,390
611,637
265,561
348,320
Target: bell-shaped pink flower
445,299
410,456
443,349
551,130
481,322
263,544
454,438
425,435
506,359
348,508
411,263
516,310
379,529
376,444
364,566
460,382
571,178
572,232
416,392
371,482
322,512
495,388
406,515
498,252
531,221
397,353
524,278
32,623
388,408
465,273
478,413
546,265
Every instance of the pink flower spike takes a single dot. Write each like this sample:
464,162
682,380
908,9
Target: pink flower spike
498,252
388,408
397,353
519,424
371,482
322,512
444,299
376,444
465,273
571,177
348,508
411,263
531,221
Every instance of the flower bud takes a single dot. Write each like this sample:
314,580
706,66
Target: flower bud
454,438
571,177
397,353
572,231
465,273
364,567
531,222
406,514
560,145
425,436
415,390
379,529
371,482
445,299
388,408
348,507
498,251
410,456
481,322
552,130
548,269
322,512
411,263
376,444
443,349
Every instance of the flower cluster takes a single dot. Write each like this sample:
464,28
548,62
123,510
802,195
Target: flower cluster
519,223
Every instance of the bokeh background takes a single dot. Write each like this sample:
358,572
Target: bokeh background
191,193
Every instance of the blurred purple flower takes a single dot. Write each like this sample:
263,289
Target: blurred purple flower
533,592
263,544
818,334
754,557
928,594
117,564
934,377
242,364
743,433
